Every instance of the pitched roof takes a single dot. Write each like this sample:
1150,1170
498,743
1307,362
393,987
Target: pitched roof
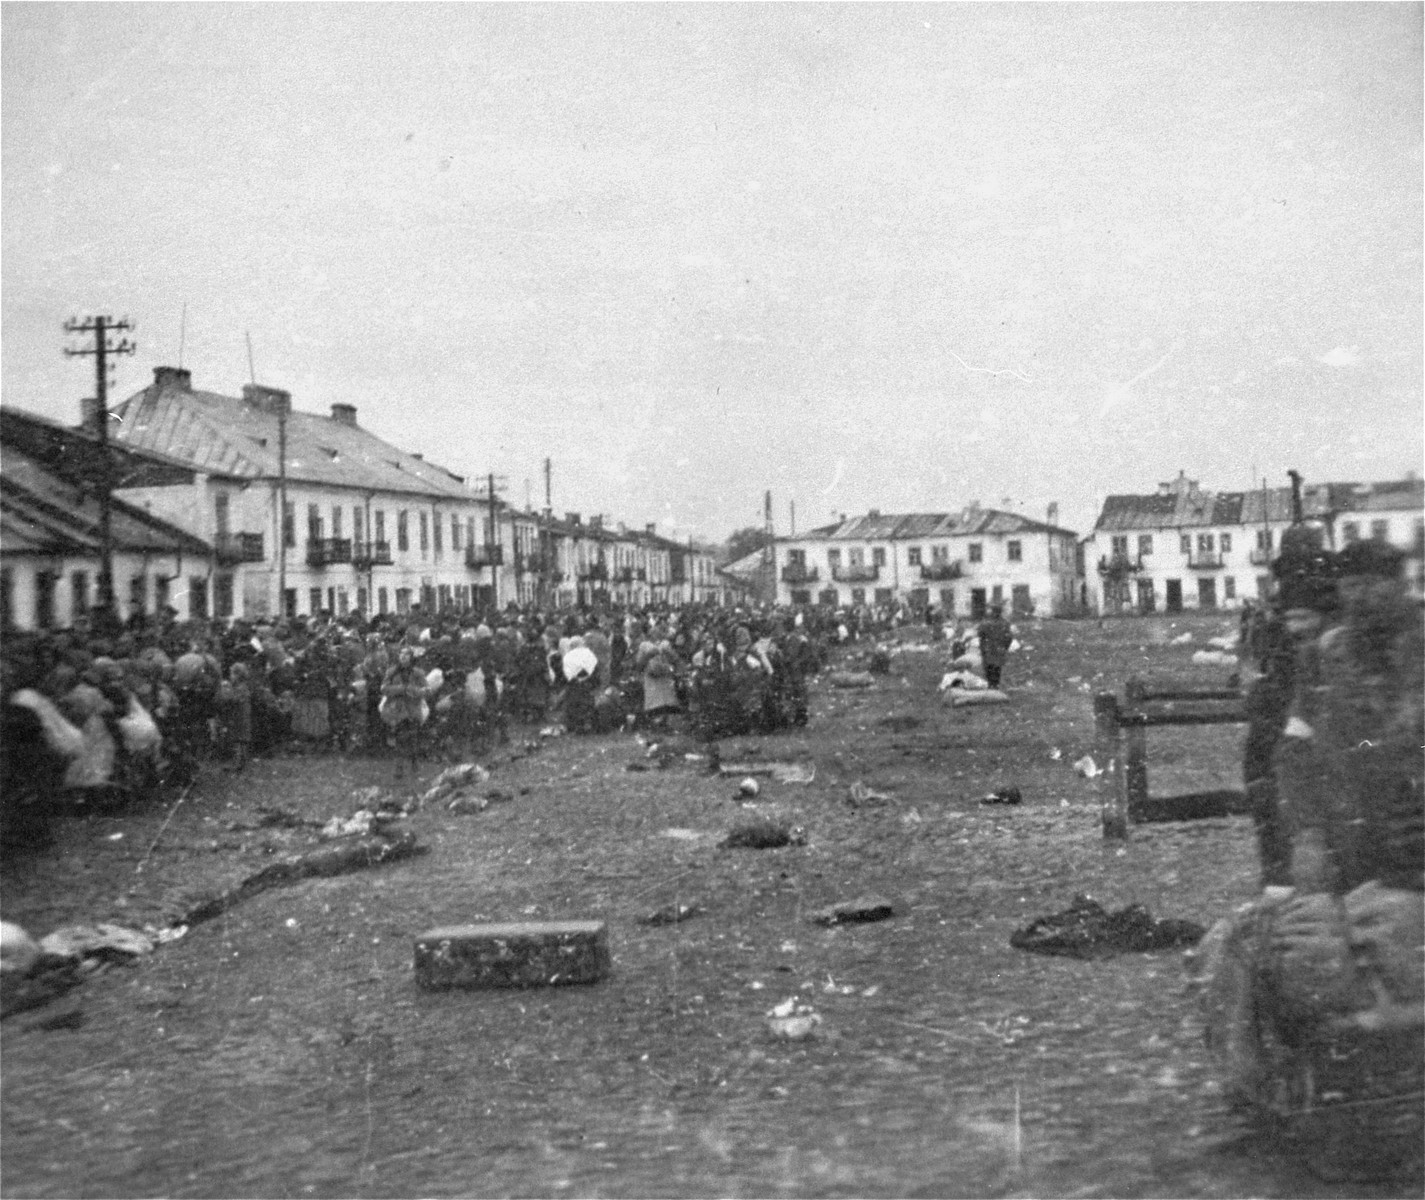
1186,509
42,512
239,436
904,526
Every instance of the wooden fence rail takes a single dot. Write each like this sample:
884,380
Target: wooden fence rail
1121,746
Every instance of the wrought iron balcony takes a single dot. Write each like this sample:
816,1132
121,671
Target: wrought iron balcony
933,572
800,573
479,557
856,574
370,554
322,552
238,548
1119,565
594,573
1204,560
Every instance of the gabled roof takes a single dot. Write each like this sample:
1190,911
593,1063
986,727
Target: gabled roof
42,512
878,527
236,436
1186,509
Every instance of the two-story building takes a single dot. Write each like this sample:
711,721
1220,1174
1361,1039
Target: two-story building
964,562
1183,547
311,513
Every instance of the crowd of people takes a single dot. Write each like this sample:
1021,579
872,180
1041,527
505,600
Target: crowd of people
107,714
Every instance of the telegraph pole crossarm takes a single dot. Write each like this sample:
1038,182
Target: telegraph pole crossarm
101,327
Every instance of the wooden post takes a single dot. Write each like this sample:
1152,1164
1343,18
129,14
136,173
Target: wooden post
1135,765
1113,796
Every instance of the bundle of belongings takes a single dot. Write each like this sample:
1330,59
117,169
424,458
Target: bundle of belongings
1313,995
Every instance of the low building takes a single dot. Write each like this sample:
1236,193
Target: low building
1186,548
50,523
964,562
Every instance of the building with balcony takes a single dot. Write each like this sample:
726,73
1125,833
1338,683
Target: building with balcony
308,513
963,562
1185,548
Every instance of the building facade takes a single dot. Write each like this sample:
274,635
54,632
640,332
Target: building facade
963,562
1185,548
50,540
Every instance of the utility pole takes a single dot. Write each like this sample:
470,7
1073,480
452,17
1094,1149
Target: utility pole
546,557
494,540
769,555
101,327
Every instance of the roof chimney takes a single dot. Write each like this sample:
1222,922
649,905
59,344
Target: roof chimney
875,512
174,377
573,518
267,399
1051,514
344,414
651,527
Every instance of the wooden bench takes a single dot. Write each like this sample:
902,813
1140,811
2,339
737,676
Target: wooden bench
1121,745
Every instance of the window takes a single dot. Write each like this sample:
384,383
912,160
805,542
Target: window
314,600
79,593
1204,543
1264,539
469,531
1380,531
1145,543
425,534
336,520
358,526
1229,588
198,596
138,594
858,595
314,523
1015,551
947,601
403,601
1224,542
884,595
856,557
1119,545
160,593
439,536
1019,600
222,596
403,531
289,602
939,554
977,552
1185,543
361,600
289,524
383,601
997,594
379,533
878,558
1351,532
796,558
454,532
342,603
833,558
44,599
220,513
912,555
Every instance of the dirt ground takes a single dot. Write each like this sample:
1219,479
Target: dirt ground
283,1049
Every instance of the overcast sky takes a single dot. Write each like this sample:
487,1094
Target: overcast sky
891,256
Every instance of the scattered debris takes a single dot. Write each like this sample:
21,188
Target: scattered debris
793,1020
1055,754
18,950
1218,657
453,779
782,772
851,679
964,680
685,835
749,787
671,914
462,805
764,833
1087,767
853,912
959,698
1181,640
1088,930
863,797
1226,642
113,943
1007,795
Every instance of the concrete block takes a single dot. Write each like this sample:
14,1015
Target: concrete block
527,954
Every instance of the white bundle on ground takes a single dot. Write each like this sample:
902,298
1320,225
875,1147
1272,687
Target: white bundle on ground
959,699
1220,657
966,680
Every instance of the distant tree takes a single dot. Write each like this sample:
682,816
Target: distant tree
742,542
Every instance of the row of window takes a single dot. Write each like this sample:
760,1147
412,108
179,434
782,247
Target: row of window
1208,543
856,556
980,599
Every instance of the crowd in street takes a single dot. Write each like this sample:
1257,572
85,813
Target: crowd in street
110,714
